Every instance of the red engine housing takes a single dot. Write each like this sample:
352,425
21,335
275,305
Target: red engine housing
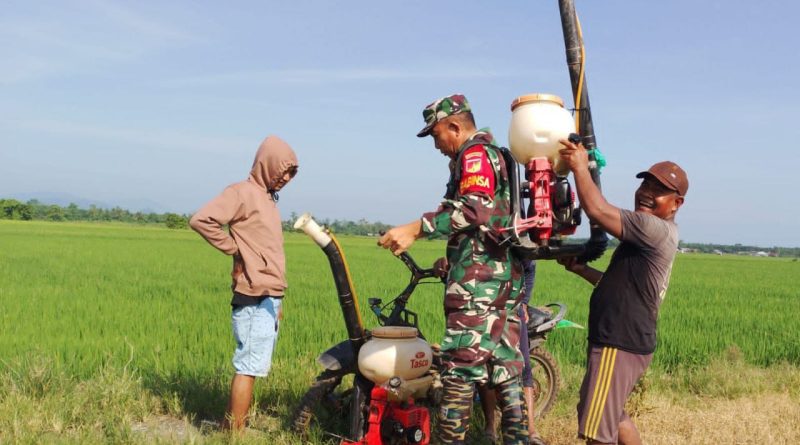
394,423
551,210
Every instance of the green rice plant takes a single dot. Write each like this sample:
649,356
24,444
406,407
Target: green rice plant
81,302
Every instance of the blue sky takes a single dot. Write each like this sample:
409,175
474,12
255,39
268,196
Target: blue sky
163,104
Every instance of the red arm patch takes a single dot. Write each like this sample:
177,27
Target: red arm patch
477,175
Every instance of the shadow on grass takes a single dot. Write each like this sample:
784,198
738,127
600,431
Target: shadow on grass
196,395
203,396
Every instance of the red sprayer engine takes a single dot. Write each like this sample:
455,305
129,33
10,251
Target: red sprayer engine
552,211
399,422
399,363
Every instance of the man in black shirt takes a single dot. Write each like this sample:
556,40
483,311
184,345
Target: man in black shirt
623,309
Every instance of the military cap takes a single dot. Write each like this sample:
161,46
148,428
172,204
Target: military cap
442,108
670,174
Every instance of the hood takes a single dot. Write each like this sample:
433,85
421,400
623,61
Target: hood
273,158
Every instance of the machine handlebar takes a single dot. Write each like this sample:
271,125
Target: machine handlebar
399,315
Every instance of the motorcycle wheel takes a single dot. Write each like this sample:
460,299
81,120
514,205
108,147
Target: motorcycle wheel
546,380
320,392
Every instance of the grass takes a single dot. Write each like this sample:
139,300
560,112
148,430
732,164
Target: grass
106,327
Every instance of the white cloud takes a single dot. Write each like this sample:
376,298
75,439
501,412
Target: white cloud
125,138
76,38
140,24
336,75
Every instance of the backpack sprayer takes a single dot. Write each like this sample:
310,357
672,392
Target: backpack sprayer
538,122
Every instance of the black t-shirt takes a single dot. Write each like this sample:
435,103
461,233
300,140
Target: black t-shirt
246,300
623,310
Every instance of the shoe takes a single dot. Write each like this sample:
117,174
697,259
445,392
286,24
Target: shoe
535,439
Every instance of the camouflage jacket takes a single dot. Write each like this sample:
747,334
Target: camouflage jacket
483,272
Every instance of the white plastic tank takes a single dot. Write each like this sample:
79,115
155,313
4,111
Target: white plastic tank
538,122
394,351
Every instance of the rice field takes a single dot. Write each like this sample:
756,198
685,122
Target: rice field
78,300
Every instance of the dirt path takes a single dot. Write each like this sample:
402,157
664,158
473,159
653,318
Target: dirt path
166,429
772,419
764,419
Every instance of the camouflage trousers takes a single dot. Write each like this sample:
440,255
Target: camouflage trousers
456,409
481,346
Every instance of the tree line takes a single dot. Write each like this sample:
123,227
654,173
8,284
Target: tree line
360,227
740,249
35,210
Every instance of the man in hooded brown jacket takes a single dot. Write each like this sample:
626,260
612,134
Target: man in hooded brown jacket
255,242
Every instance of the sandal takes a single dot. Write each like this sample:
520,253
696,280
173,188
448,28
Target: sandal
536,439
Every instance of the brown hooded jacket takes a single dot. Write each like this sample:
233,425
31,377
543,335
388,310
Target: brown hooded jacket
251,213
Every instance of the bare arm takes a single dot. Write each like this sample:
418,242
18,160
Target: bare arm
399,239
585,271
472,209
592,201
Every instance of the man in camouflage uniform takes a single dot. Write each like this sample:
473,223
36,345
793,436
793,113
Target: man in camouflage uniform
484,282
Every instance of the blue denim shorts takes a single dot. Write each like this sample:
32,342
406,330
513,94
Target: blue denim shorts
255,329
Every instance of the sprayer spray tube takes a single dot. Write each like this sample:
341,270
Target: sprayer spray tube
352,321
341,276
573,42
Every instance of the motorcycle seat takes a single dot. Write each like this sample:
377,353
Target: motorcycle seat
538,316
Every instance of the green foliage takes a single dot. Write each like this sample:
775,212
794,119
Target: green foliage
54,213
175,221
13,209
86,305
343,227
35,210
99,409
739,249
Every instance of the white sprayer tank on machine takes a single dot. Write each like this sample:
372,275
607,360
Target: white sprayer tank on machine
538,122
394,351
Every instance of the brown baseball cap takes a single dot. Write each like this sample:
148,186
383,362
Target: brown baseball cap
670,174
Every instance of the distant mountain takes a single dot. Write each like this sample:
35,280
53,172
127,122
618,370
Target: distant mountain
65,199
144,205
